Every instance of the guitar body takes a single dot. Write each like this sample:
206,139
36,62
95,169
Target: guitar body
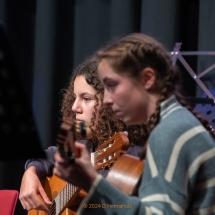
67,211
66,197
53,186
126,174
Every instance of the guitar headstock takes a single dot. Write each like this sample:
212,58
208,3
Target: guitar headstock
106,154
67,137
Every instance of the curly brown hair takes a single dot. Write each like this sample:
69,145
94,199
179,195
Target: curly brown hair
107,123
134,52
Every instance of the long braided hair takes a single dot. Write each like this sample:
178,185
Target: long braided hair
106,123
134,52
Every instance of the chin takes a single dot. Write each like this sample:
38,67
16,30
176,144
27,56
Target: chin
130,121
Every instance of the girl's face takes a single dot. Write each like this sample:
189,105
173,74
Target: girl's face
84,101
126,96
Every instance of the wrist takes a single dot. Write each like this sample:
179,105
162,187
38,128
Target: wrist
92,181
95,183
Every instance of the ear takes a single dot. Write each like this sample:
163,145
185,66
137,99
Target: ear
148,78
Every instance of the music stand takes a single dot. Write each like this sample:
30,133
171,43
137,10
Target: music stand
176,54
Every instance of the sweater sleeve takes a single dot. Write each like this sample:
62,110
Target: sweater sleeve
44,166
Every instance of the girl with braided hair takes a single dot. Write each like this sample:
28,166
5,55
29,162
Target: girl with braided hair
82,100
142,86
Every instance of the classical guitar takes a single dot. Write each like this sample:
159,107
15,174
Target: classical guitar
66,197
126,174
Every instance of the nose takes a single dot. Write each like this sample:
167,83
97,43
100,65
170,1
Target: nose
76,107
107,98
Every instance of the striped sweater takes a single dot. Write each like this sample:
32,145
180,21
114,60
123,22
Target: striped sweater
179,172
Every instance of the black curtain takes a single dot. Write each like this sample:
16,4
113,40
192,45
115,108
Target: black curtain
47,39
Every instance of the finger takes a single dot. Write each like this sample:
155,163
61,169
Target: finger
23,204
59,159
60,170
80,149
57,172
28,204
26,200
36,202
42,206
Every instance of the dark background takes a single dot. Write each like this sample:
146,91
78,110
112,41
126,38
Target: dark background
41,41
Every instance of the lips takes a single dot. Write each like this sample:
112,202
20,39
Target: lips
117,113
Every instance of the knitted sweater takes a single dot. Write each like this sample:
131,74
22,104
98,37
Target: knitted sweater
179,172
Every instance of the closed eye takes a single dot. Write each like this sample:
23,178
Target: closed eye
110,86
87,99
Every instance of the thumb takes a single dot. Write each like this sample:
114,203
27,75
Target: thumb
44,196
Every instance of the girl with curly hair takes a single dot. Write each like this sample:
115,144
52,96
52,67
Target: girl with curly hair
82,100
142,86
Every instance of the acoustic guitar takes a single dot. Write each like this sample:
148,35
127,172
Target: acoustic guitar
66,197
126,174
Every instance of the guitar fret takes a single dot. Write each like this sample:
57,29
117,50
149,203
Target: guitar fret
102,158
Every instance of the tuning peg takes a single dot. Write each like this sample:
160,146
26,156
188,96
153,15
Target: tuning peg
80,128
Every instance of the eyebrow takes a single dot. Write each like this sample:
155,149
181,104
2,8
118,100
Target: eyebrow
107,79
86,93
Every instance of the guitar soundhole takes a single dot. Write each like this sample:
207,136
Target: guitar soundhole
54,194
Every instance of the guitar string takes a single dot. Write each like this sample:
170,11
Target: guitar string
98,152
68,186
60,202
54,202
71,189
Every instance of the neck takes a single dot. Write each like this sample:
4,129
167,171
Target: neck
152,105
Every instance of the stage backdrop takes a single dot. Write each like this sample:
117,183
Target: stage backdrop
47,39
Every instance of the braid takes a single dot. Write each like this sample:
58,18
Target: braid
155,117
131,55
204,122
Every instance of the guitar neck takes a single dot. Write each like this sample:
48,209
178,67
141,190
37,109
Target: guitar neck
106,154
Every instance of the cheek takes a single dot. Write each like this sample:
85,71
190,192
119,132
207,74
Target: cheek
122,98
125,93
134,101
90,115
89,111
